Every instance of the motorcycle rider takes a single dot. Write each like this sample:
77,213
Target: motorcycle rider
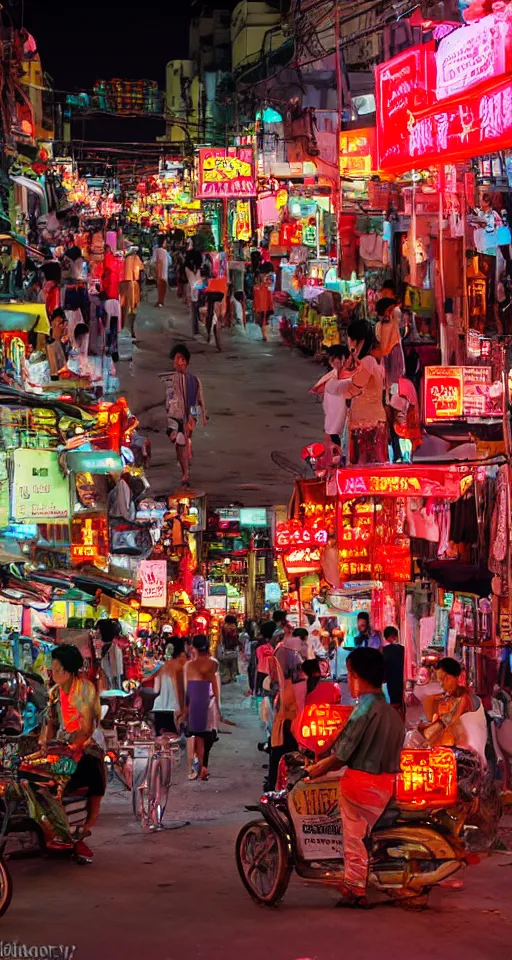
74,712
368,754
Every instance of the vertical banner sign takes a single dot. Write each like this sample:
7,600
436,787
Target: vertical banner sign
153,575
443,393
226,173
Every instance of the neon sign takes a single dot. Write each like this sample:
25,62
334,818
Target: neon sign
429,130
408,481
427,777
226,172
89,539
320,723
471,55
292,533
455,392
357,152
302,560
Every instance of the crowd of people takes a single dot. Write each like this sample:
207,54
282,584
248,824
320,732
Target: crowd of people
370,394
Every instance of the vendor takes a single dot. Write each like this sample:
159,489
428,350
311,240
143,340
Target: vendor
74,713
444,712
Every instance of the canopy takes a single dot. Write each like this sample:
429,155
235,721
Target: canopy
24,316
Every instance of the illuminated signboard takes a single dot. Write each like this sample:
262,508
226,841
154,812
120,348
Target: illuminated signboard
452,393
371,539
472,54
153,576
427,777
89,540
293,534
253,517
444,130
40,491
320,723
357,152
402,85
226,173
301,560
401,481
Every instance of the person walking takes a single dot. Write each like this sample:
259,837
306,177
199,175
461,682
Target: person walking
160,263
184,399
202,693
170,689
195,282
129,290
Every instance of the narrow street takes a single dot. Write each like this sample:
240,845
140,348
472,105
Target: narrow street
257,400
177,895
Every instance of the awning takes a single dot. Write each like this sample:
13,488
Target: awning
24,317
94,461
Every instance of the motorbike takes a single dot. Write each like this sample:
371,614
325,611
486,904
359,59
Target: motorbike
443,811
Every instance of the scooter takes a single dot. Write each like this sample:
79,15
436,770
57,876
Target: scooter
428,832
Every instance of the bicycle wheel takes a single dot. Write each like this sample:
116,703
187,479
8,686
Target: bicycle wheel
158,789
263,862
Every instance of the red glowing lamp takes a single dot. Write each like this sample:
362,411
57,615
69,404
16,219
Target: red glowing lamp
427,778
320,724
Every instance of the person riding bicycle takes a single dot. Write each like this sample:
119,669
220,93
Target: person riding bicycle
74,712
368,753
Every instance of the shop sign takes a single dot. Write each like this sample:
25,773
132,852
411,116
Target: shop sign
427,777
242,220
357,152
226,173
402,85
153,576
253,517
320,723
401,481
471,55
40,493
302,560
293,534
452,393
89,540
371,540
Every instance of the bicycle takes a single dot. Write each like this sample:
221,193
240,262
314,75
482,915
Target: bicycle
153,764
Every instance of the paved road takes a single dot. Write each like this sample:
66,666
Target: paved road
257,399
177,896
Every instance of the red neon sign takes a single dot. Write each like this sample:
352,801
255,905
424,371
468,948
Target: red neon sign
292,534
455,392
471,55
89,540
402,481
412,133
357,152
427,778
226,173
298,561
320,723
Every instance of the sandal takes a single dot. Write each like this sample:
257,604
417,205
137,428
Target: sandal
193,776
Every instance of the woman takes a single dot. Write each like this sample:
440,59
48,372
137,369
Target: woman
444,712
202,695
334,387
264,652
263,303
74,714
230,649
170,689
367,419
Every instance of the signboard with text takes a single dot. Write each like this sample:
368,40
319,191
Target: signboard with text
226,173
401,480
153,576
40,491
402,85
357,152
471,55
454,393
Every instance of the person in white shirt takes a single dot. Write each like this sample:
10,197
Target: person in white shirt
160,262
334,387
113,324
195,282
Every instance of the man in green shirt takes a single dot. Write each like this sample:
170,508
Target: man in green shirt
368,754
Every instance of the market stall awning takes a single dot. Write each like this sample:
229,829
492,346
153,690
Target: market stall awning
24,316
446,481
94,461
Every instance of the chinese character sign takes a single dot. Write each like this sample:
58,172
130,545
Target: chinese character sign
407,481
402,85
153,576
226,173
357,152
443,393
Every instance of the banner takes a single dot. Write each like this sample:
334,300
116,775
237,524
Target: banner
226,173
401,480
40,492
153,576
452,393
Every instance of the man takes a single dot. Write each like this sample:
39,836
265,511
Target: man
34,292
368,753
55,348
160,263
129,290
74,715
112,308
184,399
393,653
195,282
366,637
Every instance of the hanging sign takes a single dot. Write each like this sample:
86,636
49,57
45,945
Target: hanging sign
452,393
402,85
293,534
301,560
226,173
402,481
40,492
357,152
471,55
89,539
153,576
